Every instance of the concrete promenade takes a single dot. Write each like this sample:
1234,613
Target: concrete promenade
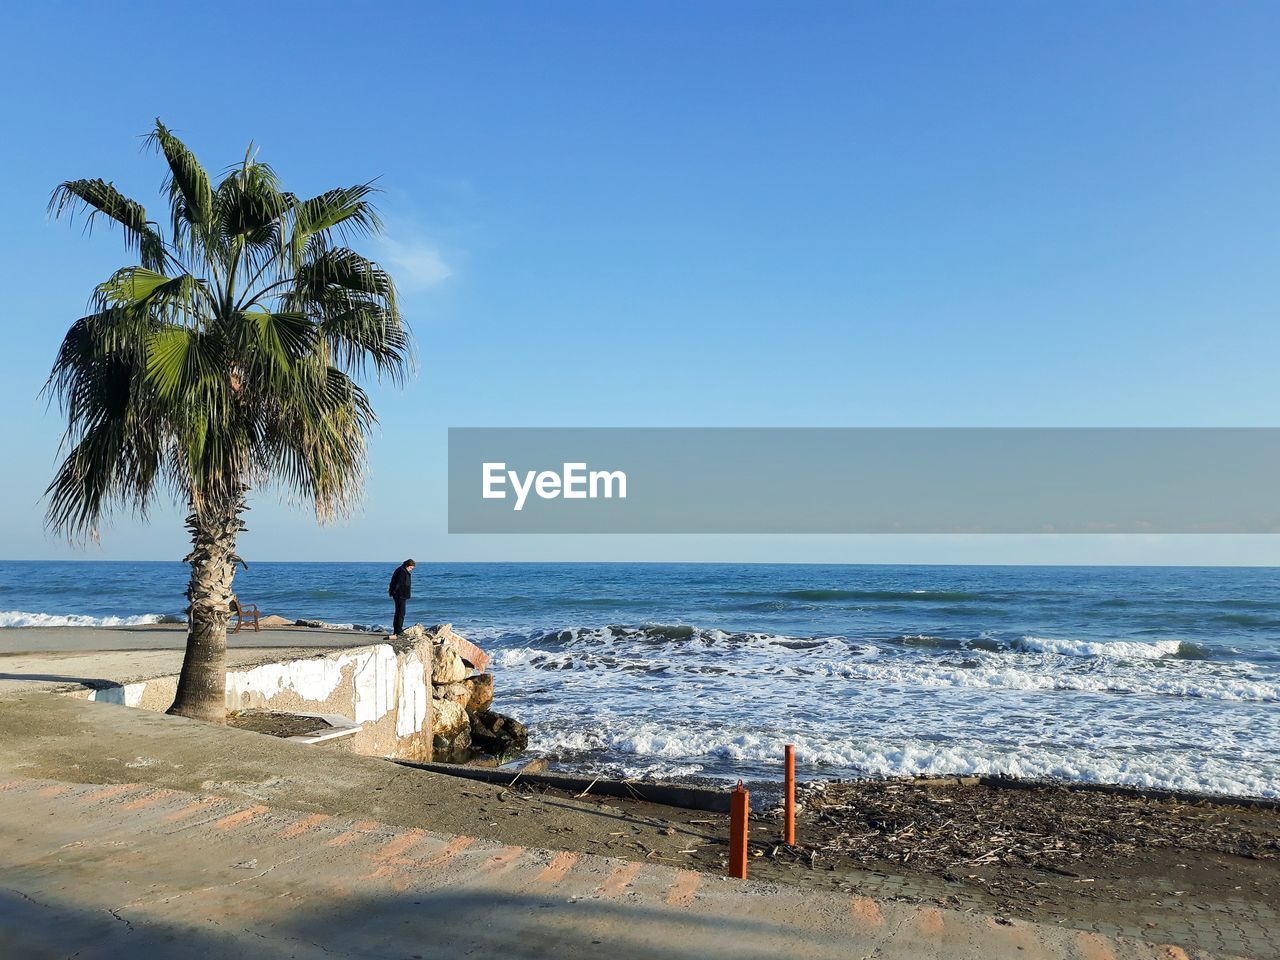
61,658
125,833
165,636
128,870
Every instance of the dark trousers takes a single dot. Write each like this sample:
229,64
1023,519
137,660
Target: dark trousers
398,626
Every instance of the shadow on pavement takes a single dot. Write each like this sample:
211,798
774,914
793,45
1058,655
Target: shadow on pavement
228,924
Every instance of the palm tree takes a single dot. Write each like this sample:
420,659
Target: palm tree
226,359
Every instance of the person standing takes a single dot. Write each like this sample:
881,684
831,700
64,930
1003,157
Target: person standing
400,590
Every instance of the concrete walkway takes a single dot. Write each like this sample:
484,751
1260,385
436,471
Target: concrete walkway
165,636
129,833
60,672
127,870
62,658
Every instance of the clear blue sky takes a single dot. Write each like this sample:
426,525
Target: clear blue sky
698,214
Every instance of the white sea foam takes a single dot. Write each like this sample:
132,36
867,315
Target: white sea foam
971,669
1221,682
21,618
1129,649
676,700
645,744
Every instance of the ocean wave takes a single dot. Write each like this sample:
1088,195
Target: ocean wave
657,747
972,670
1127,649
660,634
1237,684
927,641
899,596
21,618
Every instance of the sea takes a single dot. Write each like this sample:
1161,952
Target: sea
1148,676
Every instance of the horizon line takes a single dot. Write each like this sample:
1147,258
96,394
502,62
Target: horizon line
703,563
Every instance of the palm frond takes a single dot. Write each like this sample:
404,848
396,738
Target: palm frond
101,198
190,194
318,445
276,341
249,199
183,363
345,270
344,209
368,333
86,479
181,297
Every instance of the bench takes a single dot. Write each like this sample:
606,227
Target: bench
243,612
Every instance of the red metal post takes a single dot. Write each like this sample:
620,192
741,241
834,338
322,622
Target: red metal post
739,814
789,834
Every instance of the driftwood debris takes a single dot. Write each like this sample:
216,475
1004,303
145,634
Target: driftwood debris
957,824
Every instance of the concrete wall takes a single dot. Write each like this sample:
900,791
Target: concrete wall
384,687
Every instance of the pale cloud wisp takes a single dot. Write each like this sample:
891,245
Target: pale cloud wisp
416,264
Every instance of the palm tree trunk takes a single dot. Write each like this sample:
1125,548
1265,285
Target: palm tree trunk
202,686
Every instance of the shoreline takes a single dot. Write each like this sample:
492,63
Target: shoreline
58,643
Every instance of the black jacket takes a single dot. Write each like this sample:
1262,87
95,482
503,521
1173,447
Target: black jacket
401,583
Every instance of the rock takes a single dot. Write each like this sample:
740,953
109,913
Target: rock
462,739
452,749
446,665
471,655
314,624
444,634
275,621
497,733
480,692
451,731
459,693
448,718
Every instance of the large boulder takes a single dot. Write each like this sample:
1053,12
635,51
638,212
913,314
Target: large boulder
471,655
479,691
459,693
452,749
448,718
497,733
446,666
444,633
448,645
451,732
